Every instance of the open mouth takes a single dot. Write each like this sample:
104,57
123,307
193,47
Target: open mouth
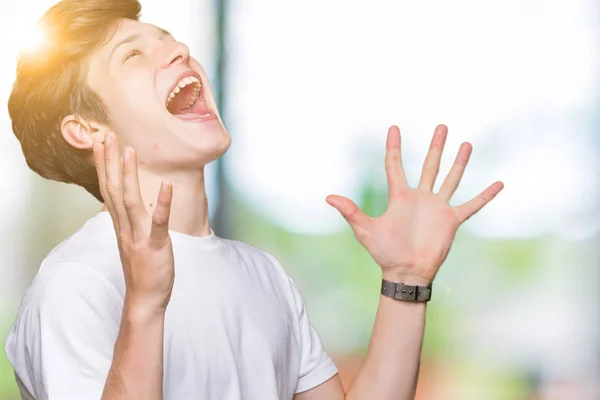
187,99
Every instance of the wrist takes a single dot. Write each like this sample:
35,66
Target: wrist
407,279
139,311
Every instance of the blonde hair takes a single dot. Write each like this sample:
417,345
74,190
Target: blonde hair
50,84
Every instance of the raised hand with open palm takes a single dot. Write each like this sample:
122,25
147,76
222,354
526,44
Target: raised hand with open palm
411,240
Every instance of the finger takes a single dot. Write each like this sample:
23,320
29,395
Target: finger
132,197
393,162
358,220
114,182
456,172
98,155
431,166
160,218
470,208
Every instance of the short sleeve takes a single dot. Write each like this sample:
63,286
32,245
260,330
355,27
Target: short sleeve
316,366
61,346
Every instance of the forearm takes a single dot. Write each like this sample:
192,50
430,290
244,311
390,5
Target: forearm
137,368
391,366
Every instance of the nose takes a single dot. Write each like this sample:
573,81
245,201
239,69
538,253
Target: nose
177,53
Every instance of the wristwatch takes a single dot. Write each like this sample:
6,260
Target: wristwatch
400,291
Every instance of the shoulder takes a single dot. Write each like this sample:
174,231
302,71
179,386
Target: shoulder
257,257
68,314
243,248
269,268
65,292
64,297
91,251
61,283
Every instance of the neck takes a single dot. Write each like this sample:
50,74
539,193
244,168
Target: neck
189,206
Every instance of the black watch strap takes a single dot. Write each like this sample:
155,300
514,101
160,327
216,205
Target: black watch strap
400,291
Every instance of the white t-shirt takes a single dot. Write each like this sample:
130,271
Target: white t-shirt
236,326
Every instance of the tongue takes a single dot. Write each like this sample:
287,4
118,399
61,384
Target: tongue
199,110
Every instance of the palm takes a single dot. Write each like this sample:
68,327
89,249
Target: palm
414,235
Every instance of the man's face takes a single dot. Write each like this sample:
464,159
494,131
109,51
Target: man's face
158,99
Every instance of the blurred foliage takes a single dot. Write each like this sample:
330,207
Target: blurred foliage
489,383
8,387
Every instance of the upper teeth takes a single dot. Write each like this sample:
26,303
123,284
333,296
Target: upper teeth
183,83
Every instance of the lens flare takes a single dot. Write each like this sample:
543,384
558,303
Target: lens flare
33,39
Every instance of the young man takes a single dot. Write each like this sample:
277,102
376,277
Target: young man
144,301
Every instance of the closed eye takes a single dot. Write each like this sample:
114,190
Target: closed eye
131,54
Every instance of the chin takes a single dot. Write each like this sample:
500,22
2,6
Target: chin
212,144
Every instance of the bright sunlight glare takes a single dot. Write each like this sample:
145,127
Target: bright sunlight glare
33,38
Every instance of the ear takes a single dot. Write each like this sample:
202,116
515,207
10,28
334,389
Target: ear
81,133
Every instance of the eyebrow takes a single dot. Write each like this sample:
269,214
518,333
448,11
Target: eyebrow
164,32
134,37
128,39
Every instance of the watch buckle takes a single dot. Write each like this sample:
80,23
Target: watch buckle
406,292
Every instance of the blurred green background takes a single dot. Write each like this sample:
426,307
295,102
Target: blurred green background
307,90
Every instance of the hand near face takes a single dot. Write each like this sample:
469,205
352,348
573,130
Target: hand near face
144,242
411,240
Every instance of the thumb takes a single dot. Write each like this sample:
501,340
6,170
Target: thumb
357,219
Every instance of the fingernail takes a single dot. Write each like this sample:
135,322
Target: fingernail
107,138
166,185
127,154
